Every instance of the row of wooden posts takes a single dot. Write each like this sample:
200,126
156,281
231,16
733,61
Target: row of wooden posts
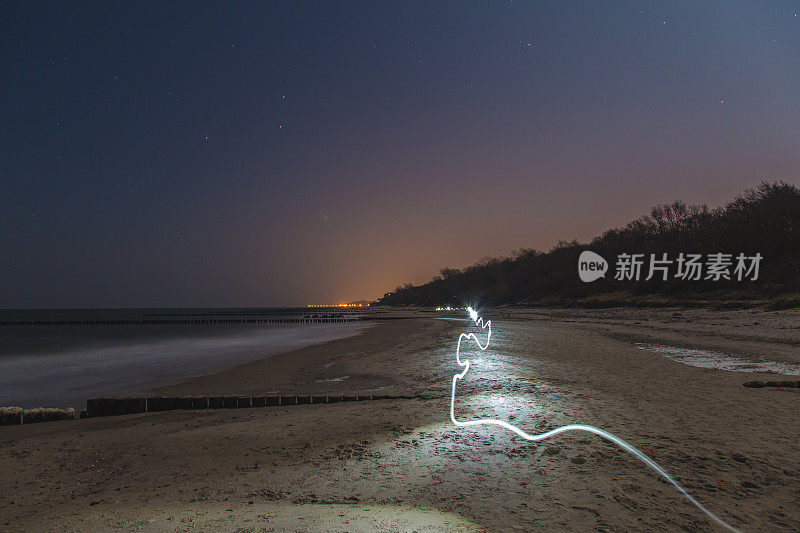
124,406
762,384
184,321
13,416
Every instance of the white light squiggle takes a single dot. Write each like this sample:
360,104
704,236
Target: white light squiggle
563,429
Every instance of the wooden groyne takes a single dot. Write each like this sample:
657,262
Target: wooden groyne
164,317
762,384
212,317
152,404
292,311
186,321
17,416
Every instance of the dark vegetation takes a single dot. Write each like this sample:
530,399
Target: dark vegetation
764,220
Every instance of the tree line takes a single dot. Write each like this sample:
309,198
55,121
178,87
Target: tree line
764,220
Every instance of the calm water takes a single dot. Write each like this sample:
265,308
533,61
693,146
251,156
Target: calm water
61,366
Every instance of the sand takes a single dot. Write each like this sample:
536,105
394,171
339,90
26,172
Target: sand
400,465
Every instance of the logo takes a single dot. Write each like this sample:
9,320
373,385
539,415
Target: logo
591,266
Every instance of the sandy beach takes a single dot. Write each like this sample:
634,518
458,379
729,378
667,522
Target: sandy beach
400,465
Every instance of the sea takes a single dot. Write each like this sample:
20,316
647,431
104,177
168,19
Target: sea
59,358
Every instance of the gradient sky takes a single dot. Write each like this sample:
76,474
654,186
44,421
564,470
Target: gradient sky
232,154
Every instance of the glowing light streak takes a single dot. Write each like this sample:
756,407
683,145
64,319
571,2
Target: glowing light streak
563,429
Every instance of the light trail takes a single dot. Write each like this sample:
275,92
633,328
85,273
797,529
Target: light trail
563,429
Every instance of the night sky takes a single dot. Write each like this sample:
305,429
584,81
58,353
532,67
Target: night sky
228,154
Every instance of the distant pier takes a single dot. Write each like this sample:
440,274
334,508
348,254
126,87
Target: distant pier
316,315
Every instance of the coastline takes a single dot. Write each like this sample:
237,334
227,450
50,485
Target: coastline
320,369
360,466
308,370
63,366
